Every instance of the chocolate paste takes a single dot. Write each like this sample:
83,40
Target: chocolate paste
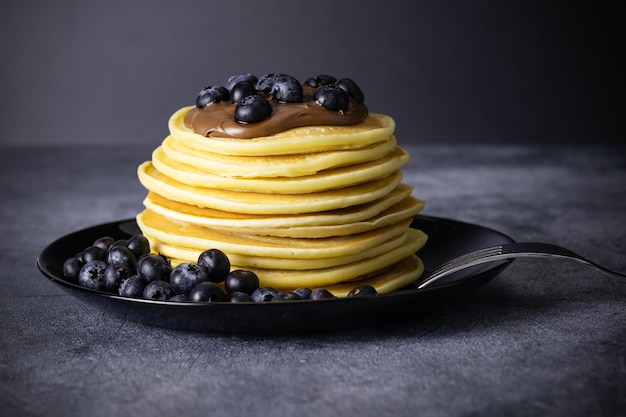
217,120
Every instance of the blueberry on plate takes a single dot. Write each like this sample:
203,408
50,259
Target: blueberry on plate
153,267
133,286
286,296
207,292
114,274
122,255
263,294
241,280
94,253
158,290
303,292
321,294
240,297
362,290
139,245
216,263
91,275
179,298
185,276
71,268
104,242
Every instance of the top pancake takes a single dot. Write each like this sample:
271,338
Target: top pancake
375,128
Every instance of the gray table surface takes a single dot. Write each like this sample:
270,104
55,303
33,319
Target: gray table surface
544,338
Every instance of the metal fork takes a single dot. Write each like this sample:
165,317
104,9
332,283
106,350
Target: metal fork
508,251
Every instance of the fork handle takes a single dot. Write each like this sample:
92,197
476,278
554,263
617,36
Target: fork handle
510,251
548,250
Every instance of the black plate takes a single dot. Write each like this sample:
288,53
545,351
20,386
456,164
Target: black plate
447,239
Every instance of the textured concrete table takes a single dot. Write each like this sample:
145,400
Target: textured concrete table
544,338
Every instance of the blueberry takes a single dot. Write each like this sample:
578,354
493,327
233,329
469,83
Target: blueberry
93,253
351,88
321,294
235,79
133,286
332,98
242,90
104,242
158,290
265,83
187,275
253,109
208,292
153,267
212,94
119,242
286,296
320,80
263,294
282,87
122,255
216,263
71,269
362,290
241,280
91,275
139,245
179,297
304,293
114,274
240,297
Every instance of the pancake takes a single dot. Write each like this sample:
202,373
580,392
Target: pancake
209,217
323,180
397,276
406,208
263,203
192,236
185,254
260,166
375,128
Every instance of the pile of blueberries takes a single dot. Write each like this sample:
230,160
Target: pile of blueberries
128,268
250,94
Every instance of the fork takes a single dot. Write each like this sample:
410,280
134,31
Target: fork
508,251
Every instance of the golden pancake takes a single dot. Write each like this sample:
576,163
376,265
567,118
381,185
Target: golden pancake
272,166
375,128
184,254
324,277
192,236
397,276
262,203
282,278
209,217
407,207
321,181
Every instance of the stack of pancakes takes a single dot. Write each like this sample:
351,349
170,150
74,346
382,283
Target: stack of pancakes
316,207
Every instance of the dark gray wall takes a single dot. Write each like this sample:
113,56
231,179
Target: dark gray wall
111,72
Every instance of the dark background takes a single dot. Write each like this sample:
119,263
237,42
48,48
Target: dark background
111,72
